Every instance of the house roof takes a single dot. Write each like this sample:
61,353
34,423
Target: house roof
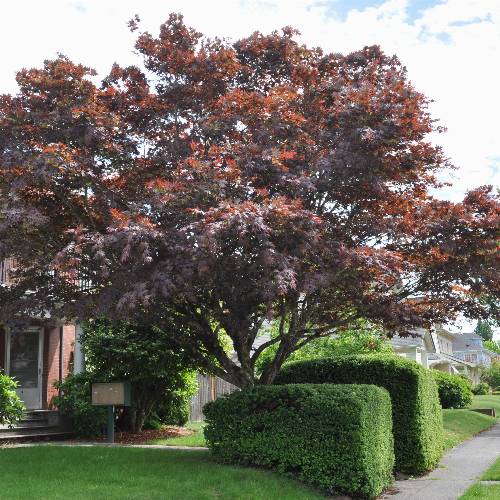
468,342
416,340
419,338
445,333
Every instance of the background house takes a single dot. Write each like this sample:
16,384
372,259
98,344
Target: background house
416,347
470,347
434,348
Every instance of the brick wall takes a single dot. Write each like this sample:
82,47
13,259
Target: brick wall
51,360
2,348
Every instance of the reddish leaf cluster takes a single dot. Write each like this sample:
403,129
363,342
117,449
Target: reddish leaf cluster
226,184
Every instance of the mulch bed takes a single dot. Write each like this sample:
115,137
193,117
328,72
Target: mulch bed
142,437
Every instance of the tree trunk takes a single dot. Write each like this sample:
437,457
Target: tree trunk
271,370
135,416
140,419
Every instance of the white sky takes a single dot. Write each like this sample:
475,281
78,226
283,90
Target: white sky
450,47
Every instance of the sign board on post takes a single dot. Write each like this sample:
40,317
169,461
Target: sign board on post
111,394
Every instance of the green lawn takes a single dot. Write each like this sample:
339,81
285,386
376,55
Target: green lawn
460,425
195,439
489,401
57,472
493,473
482,492
486,491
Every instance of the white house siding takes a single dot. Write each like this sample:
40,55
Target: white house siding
434,349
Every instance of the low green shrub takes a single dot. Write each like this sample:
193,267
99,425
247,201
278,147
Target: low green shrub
481,389
336,437
416,412
492,375
454,391
75,404
175,407
11,406
162,376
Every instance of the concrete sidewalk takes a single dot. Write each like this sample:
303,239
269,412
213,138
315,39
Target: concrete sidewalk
459,469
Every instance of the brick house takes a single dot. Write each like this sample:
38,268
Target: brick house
36,355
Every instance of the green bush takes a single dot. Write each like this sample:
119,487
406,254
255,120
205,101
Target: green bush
337,437
175,407
75,404
162,376
481,389
492,375
492,345
416,412
11,407
454,391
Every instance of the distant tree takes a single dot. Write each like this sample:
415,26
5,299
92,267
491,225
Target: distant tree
492,375
362,339
492,345
483,328
227,184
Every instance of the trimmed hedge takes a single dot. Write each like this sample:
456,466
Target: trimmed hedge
454,391
336,437
416,412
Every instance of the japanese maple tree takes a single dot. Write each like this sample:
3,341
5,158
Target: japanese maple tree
221,185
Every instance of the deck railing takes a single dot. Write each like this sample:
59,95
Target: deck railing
5,266
8,264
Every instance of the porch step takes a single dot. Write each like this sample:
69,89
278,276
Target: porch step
23,435
36,425
36,418
32,421
22,425
39,413
28,427
49,417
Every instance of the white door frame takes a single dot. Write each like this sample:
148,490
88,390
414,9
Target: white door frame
41,333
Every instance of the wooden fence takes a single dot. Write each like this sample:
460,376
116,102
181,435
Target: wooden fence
209,389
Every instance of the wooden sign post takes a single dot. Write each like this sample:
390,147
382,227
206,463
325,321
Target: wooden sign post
111,394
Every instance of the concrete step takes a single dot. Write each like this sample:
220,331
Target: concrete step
34,416
41,417
39,414
22,427
36,425
24,435
35,420
32,421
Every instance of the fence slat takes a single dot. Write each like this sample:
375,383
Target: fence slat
209,389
